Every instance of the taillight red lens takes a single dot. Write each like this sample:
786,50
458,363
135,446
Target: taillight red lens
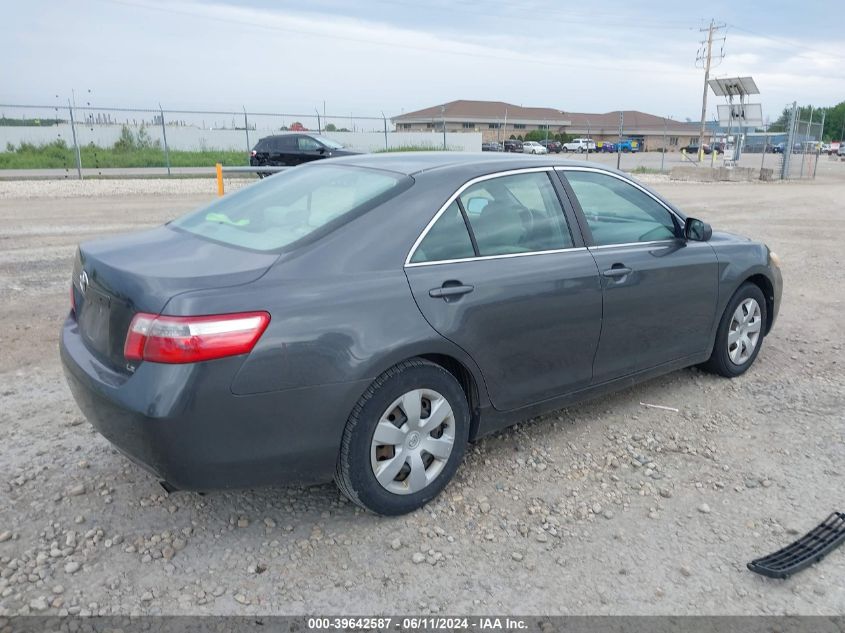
172,339
253,153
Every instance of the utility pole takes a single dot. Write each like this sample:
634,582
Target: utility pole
706,56
443,120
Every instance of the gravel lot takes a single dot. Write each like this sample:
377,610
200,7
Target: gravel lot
608,507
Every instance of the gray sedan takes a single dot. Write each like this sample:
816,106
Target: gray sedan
364,318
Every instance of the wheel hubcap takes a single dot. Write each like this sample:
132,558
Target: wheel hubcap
744,331
412,441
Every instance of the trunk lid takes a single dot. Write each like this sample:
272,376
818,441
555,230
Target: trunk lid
115,278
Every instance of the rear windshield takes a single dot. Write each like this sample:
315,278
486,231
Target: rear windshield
291,205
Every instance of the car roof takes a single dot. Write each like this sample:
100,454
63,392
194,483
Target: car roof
411,163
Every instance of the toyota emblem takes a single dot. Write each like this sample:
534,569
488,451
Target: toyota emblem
83,282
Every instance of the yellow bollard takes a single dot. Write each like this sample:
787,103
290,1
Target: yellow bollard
713,157
219,179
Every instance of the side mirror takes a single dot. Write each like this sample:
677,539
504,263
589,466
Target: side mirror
321,150
697,230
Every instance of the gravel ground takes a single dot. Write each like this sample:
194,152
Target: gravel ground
608,507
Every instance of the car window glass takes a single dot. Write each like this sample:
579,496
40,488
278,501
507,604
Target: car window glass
288,206
306,143
285,142
522,214
619,213
448,238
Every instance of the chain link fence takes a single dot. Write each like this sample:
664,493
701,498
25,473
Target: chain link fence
75,138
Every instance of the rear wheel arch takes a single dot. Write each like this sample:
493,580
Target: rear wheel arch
467,381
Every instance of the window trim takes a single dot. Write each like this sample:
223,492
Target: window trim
679,221
510,172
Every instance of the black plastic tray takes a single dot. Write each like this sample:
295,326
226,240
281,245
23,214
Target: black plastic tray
809,549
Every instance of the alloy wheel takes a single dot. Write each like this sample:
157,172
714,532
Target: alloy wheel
412,441
744,331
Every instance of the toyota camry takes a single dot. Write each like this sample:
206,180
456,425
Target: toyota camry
364,318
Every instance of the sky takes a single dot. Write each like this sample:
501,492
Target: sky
365,57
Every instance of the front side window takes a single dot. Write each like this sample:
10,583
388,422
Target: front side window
289,206
516,214
308,144
619,213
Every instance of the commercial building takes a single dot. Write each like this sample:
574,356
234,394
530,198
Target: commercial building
497,121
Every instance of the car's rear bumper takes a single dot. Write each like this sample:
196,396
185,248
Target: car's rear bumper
183,423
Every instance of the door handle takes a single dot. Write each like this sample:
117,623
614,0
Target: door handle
451,290
617,270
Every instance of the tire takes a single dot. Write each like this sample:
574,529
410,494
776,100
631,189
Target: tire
730,356
419,475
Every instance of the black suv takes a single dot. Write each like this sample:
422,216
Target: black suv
512,145
294,149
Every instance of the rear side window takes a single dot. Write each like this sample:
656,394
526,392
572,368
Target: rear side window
290,206
516,214
447,239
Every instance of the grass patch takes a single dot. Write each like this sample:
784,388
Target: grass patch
60,156
646,170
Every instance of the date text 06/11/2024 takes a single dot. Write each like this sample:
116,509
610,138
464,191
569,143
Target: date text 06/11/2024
409,624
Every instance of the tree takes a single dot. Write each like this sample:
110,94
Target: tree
330,127
834,118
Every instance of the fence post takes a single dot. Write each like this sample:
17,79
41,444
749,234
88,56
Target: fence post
246,129
619,148
790,140
763,158
75,144
319,125
219,169
663,153
164,135
589,136
384,118
804,142
821,139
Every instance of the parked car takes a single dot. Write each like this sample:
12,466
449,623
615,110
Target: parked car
580,145
533,147
294,149
491,146
692,148
513,145
605,146
552,146
841,150
247,343
629,146
778,149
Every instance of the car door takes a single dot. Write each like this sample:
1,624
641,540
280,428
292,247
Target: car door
284,150
659,290
500,273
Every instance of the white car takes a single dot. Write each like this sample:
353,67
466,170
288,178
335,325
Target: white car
580,145
533,147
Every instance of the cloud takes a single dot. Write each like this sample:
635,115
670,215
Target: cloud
385,57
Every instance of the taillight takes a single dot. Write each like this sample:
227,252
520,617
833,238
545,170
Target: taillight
253,153
174,339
